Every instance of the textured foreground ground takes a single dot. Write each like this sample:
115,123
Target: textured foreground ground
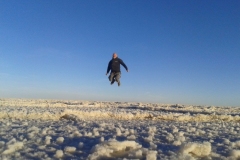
54,129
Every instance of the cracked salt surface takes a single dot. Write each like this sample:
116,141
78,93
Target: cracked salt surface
54,129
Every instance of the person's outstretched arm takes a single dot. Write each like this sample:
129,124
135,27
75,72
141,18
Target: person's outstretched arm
123,64
108,68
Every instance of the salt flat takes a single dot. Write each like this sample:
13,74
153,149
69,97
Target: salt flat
67,129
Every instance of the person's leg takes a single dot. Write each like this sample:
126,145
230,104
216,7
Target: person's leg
111,77
113,80
117,78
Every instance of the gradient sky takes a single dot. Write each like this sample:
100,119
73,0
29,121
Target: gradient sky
177,51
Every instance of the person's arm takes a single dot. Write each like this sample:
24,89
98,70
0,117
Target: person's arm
109,67
123,64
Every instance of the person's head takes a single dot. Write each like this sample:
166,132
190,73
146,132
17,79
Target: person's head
114,55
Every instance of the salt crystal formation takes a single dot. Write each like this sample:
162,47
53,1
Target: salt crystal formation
196,149
64,129
77,110
116,149
13,147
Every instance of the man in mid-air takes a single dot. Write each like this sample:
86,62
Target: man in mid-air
114,66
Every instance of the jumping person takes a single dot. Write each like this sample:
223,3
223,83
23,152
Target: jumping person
114,66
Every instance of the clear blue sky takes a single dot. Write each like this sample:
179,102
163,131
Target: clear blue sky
177,51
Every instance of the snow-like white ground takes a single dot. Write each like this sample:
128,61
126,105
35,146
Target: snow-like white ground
58,129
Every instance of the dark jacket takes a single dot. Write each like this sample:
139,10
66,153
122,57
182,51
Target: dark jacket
114,65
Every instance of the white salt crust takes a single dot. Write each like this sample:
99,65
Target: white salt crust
48,129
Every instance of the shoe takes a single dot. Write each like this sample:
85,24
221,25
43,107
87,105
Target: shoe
119,84
112,81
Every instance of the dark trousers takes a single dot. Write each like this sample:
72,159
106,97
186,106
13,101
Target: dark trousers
114,76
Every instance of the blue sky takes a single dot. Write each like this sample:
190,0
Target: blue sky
185,51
